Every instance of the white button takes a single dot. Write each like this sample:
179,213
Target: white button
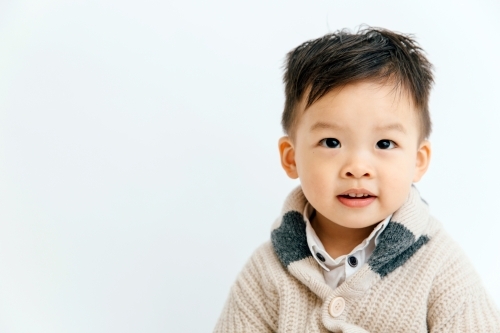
337,306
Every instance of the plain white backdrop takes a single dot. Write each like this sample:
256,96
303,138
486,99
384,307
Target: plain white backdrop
138,148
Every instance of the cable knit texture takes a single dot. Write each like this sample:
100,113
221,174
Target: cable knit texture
417,280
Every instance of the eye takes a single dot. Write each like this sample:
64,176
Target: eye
330,143
386,144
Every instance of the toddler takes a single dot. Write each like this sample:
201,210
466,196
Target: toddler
355,248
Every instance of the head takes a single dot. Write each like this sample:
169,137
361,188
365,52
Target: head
357,123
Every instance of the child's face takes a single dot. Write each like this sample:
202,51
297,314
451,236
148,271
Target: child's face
362,139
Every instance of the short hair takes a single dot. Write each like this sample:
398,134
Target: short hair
337,59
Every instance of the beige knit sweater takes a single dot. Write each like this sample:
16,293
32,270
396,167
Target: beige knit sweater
417,280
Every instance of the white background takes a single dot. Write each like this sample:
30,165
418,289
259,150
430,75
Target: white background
138,148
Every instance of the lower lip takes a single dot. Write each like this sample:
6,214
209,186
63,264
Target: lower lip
356,202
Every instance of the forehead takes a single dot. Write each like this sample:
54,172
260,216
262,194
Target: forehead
361,104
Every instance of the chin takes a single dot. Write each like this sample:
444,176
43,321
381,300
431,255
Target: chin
366,225
354,223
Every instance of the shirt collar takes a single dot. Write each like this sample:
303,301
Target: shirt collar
315,245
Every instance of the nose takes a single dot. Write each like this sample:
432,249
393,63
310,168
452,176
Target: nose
357,167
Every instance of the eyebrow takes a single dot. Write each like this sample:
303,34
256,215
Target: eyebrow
323,125
393,126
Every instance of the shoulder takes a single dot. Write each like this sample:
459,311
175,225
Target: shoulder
264,257
455,277
457,297
444,255
253,304
263,267
264,272
446,252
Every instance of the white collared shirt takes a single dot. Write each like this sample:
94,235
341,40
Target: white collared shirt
336,270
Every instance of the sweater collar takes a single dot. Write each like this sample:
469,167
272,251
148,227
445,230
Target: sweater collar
316,246
404,235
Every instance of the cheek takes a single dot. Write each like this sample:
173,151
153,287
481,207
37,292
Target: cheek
314,176
398,174
316,179
397,183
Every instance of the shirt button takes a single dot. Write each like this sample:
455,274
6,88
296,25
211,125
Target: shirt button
353,261
320,257
337,306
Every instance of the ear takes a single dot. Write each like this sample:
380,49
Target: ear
423,160
287,155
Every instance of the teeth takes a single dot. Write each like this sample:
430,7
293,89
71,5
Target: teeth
359,195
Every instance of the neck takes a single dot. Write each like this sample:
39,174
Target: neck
338,240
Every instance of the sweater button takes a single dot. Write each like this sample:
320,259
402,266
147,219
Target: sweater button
337,306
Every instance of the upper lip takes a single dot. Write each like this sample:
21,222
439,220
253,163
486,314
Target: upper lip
358,191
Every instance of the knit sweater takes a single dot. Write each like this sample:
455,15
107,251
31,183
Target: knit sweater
417,280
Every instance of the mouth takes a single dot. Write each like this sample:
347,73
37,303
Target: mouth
356,198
